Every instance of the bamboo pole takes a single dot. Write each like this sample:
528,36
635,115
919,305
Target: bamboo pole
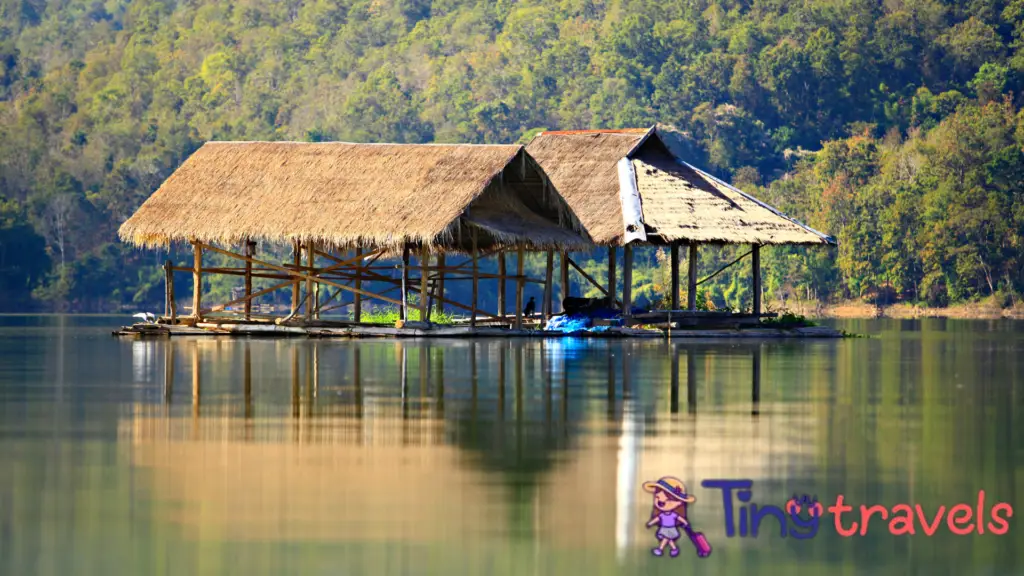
300,275
627,281
675,277
755,265
691,283
501,285
611,276
172,306
519,289
424,282
566,289
250,251
548,288
310,300
296,262
439,287
476,280
404,310
357,310
197,279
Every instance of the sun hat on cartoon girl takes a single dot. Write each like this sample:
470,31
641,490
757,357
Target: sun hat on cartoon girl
669,513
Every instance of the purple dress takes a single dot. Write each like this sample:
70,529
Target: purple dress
668,525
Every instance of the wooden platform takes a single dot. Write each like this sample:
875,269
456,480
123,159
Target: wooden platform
347,330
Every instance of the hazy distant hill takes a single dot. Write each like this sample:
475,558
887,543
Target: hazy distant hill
912,102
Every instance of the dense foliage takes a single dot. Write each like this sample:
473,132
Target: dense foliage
910,105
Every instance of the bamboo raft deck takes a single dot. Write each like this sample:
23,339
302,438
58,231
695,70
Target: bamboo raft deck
325,329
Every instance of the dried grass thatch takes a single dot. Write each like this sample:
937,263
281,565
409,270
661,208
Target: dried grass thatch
679,203
342,194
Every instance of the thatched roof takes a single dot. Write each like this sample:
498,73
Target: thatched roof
377,195
677,202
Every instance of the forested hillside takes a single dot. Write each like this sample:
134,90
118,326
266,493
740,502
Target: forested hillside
892,125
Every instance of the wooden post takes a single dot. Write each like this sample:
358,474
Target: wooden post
424,281
172,307
310,300
627,281
675,276
548,288
250,251
755,265
439,286
296,262
691,281
502,311
611,277
476,281
566,289
403,313
519,289
357,303
197,280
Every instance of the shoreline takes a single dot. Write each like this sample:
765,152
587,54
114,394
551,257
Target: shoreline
860,310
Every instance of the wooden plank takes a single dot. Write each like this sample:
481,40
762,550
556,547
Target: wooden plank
755,265
519,289
548,288
691,281
627,281
501,285
611,276
197,279
675,276
476,279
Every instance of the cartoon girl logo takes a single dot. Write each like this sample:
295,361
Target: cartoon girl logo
669,514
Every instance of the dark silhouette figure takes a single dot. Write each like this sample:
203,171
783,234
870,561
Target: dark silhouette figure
530,308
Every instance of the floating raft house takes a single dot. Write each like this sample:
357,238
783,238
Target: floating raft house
628,188
339,225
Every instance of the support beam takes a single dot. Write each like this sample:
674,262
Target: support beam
298,275
755,265
548,288
310,296
250,251
403,311
424,282
197,279
611,276
476,280
691,281
519,289
502,311
675,277
297,263
566,289
439,286
357,304
627,281
172,306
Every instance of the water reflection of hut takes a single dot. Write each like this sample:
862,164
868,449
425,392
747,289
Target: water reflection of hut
628,188
345,209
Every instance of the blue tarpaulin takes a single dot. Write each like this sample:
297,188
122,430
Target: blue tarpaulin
583,322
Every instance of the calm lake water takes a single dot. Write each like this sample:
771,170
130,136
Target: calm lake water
250,457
